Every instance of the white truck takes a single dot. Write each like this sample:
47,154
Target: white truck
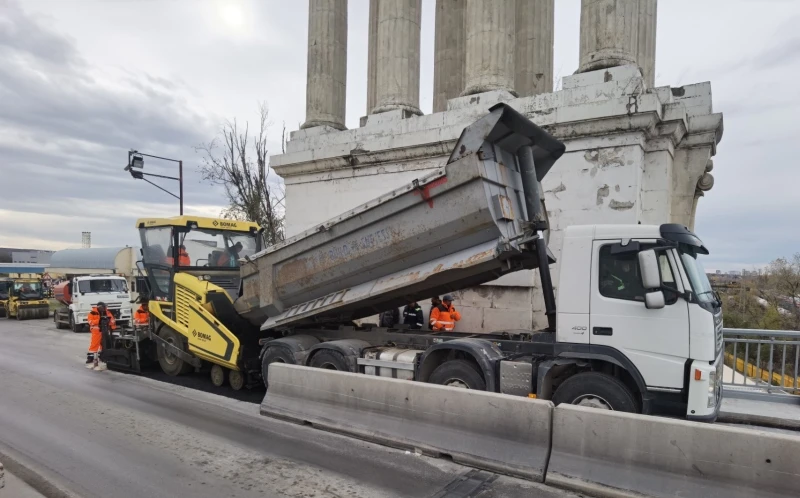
79,295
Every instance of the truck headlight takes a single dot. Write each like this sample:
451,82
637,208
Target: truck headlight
712,389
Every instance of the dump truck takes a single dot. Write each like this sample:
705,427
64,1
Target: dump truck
79,294
26,299
637,327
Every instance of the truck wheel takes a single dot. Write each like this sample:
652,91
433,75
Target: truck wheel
72,325
236,379
217,375
596,390
330,360
458,373
55,319
274,355
171,364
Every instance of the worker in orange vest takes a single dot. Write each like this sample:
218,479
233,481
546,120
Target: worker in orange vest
142,316
96,344
230,257
444,316
183,257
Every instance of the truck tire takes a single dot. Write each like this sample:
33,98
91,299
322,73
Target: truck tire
55,320
458,373
217,375
171,364
72,325
596,390
274,355
330,360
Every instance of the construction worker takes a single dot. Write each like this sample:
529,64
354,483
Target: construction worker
435,301
142,316
444,316
412,316
230,257
621,281
95,322
183,257
389,318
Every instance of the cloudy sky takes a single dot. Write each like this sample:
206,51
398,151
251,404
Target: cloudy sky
84,81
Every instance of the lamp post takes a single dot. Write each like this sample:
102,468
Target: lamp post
136,165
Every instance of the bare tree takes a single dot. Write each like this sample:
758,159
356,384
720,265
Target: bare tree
784,282
239,163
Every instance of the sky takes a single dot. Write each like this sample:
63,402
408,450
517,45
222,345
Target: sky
84,81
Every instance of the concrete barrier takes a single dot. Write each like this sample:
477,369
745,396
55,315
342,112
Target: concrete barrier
505,434
604,453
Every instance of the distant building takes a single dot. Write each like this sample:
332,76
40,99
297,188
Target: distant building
31,257
98,261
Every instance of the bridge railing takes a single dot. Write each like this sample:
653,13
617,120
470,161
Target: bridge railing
763,361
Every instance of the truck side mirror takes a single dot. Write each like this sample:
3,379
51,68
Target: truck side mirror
648,263
654,300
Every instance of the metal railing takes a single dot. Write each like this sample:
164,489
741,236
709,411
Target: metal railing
759,360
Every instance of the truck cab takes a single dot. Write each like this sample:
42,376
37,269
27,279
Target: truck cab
82,293
646,306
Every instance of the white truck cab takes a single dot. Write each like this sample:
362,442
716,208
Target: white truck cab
640,290
86,291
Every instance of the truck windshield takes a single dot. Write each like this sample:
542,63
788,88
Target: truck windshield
28,290
697,277
217,248
103,285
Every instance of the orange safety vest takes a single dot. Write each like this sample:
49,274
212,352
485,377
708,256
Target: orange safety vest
444,317
141,317
94,320
183,259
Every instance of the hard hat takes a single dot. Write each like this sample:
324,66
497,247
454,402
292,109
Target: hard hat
447,297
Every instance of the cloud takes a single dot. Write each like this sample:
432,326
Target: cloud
65,128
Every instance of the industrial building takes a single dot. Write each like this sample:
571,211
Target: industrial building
32,257
97,261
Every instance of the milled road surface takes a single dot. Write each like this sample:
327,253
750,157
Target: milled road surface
102,434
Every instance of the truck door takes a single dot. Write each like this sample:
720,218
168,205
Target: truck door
656,341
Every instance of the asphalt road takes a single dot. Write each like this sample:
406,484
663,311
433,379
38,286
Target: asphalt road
104,434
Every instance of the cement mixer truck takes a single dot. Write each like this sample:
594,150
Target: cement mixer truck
78,295
637,327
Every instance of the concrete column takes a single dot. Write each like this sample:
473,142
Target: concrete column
609,33
646,55
326,82
534,51
449,53
491,36
372,54
397,78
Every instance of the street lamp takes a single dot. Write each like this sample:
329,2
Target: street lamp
136,165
